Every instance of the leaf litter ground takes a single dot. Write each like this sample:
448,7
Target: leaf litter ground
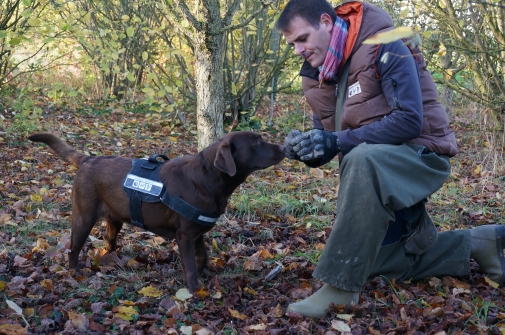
279,217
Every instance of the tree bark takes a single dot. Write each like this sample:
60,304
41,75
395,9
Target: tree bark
210,104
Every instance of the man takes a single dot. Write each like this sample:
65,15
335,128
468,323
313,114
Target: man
394,147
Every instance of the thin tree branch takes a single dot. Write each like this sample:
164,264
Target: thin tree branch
264,4
181,4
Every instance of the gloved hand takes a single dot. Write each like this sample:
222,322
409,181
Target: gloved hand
288,148
315,147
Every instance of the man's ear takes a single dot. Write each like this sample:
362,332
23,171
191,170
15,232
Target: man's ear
224,159
325,21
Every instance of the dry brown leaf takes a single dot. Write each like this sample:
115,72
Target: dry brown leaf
237,314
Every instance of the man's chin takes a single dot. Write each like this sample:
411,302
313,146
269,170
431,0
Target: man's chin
315,64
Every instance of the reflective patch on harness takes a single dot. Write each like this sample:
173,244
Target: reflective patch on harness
354,89
207,219
143,185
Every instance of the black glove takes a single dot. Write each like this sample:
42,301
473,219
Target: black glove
315,147
288,148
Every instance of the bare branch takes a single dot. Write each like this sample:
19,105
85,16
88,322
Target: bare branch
264,5
181,4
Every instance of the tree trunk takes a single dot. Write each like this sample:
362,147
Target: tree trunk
209,90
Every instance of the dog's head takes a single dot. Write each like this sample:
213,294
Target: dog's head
243,152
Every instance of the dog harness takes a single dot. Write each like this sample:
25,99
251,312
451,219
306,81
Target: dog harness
143,184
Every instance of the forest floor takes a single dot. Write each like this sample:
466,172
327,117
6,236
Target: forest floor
279,216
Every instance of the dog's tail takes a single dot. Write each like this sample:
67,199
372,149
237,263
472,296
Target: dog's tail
60,147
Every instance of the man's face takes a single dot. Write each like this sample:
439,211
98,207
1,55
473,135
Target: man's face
309,42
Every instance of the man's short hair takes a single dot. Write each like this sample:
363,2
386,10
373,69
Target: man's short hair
309,10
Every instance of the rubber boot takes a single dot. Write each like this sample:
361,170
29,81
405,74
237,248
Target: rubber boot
487,243
316,305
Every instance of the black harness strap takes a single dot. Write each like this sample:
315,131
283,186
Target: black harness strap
188,211
143,184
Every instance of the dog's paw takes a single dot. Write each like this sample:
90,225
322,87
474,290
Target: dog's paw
204,272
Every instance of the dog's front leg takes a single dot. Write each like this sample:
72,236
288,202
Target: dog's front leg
187,250
201,256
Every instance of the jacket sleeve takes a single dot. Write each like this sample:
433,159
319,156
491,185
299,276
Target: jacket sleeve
399,77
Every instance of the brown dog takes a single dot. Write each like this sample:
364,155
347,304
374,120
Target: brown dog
205,180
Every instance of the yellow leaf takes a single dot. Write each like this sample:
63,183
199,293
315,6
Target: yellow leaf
2,285
236,314
477,170
250,291
491,283
125,312
28,312
390,36
47,284
214,245
42,243
202,293
36,198
133,264
150,291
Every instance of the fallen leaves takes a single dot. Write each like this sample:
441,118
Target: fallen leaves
150,291
141,287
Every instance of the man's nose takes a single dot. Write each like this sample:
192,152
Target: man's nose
299,49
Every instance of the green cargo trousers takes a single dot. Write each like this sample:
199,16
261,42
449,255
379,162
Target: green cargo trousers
376,180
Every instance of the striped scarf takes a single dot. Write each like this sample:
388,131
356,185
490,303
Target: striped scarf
335,50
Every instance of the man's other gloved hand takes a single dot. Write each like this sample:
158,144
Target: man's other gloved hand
315,147
288,148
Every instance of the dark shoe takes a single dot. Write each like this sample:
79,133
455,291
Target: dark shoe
316,305
487,244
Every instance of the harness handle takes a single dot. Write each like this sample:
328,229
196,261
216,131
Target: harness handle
154,158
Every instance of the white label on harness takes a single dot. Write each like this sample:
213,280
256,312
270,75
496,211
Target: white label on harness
143,185
354,89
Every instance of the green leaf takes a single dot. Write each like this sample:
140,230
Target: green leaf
15,41
27,13
33,21
130,76
130,31
145,55
27,2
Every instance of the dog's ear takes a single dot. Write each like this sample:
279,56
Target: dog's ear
224,159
